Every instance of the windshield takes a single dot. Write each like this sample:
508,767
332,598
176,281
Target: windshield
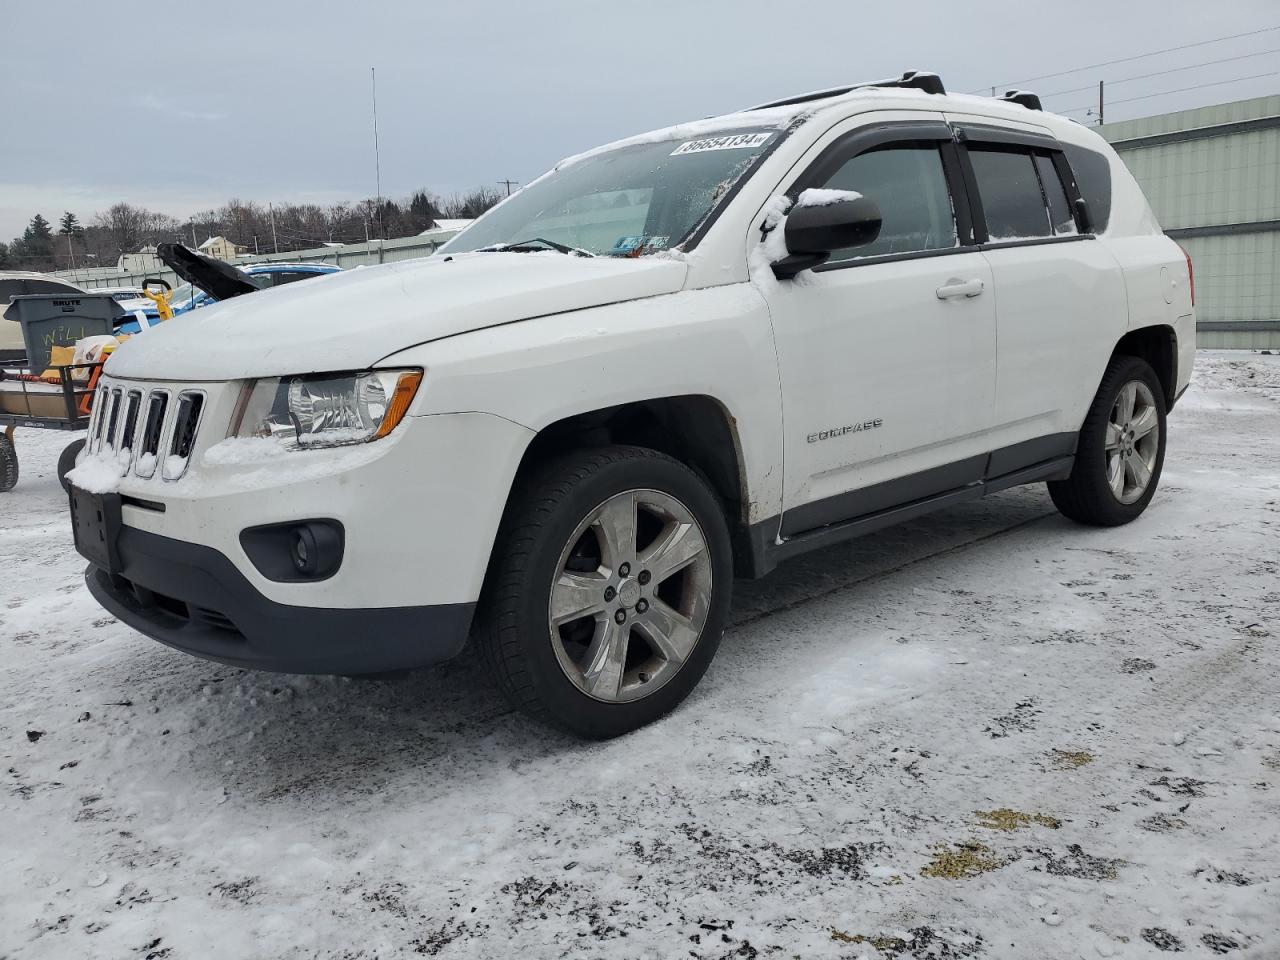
183,295
626,202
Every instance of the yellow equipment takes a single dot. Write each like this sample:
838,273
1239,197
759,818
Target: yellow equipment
157,291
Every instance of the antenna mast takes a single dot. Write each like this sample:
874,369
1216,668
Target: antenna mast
377,157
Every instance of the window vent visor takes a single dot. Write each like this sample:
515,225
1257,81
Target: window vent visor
185,424
152,428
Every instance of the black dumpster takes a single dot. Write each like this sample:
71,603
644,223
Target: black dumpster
59,320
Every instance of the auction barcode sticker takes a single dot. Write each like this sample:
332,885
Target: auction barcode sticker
735,141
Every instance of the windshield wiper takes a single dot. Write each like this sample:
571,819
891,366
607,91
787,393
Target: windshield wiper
532,245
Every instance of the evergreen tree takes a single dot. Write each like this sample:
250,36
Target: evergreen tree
37,240
69,225
5,262
423,210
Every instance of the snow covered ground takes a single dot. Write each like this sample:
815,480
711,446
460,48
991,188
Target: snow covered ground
987,734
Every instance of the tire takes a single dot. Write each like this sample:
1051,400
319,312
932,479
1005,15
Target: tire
1114,453
552,559
67,461
8,464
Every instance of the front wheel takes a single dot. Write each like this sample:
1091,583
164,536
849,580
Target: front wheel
1120,452
608,591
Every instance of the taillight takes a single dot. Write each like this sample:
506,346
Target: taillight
1191,275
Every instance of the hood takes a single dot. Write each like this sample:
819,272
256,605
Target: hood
353,319
216,277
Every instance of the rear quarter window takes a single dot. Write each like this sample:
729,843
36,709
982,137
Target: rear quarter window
1093,177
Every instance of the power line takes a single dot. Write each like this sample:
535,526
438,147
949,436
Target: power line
1140,56
1161,93
1161,73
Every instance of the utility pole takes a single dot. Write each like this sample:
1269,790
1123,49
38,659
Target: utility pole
274,241
1101,116
377,158
509,184
71,254
193,235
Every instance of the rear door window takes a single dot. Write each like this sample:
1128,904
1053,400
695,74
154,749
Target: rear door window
1063,220
1009,188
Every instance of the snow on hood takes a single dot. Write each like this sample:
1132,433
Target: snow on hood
353,319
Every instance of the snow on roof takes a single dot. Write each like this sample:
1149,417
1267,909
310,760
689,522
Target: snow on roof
789,115
777,118
440,226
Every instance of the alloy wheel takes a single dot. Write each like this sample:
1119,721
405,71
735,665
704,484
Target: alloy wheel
1133,441
631,596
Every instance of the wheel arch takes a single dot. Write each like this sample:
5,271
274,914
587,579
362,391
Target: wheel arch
1158,346
696,429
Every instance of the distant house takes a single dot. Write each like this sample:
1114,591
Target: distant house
141,262
454,225
442,231
222,248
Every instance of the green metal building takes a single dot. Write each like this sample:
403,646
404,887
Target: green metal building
1212,176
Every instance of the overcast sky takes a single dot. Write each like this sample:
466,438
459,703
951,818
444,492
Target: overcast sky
179,106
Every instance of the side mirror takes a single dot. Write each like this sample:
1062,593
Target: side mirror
823,224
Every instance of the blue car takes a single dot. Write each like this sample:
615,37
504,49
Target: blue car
190,297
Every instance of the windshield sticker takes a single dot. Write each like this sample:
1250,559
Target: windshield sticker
635,246
737,141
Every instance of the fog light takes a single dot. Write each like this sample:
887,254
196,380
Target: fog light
303,550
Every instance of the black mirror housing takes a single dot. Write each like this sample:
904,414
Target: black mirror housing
813,231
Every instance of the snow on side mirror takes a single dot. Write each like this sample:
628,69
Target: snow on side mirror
823,221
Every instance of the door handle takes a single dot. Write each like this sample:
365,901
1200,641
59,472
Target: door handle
955,288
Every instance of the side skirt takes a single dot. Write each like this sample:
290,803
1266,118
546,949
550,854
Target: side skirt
771,542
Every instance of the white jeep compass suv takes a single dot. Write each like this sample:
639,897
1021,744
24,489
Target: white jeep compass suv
670,361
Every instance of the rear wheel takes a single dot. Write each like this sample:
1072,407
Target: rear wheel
609,590
67,461
1120,452
8,464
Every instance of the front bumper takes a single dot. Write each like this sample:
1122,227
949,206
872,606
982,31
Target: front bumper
419,509
194,598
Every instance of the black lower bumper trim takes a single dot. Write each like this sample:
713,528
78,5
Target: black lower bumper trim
193,598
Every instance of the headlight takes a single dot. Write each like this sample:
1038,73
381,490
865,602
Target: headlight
325,409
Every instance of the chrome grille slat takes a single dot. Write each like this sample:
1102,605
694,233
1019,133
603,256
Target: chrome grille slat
186,423
97,418
129,429
113,418
152,432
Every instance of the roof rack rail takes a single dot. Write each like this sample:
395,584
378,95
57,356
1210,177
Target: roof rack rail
1022,97
911,80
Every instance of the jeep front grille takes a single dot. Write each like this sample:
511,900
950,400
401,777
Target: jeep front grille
147,427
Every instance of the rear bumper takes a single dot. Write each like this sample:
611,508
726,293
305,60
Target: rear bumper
193,598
